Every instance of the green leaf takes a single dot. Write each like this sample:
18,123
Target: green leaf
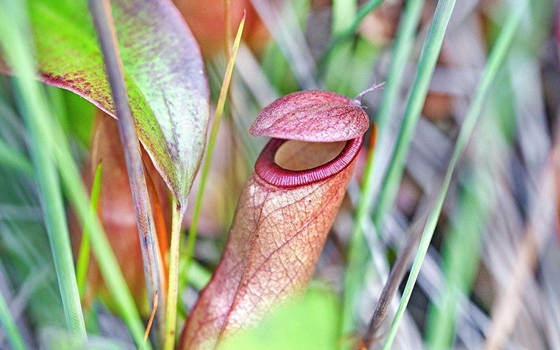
310,323
163,69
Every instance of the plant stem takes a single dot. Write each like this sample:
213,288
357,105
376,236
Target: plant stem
153,267
172,292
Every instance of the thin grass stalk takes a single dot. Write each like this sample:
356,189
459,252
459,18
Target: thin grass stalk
495,60
402,47
282,23
198,276
509,302
84,251
193,229
357,251
153,265
426,66
10,327
16,44
150,321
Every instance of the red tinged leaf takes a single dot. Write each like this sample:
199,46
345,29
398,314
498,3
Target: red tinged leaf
314,116
282,219
163,69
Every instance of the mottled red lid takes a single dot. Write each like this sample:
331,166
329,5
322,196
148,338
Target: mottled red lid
314,116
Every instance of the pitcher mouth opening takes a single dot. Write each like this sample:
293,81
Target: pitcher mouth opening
278,170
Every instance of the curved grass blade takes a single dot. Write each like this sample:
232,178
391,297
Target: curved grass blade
495,60
15,42
9,326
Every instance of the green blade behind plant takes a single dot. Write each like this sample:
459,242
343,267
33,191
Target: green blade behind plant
83,253
108,265
426,66
213,135
495,60
343,12
358,252
341,36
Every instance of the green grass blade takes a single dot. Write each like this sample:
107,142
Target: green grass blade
101,247
343,14
402,47
364,10
14,159
108,265
10,327
495,60
83,253
16,44
358,252
199,276
213,135
426,66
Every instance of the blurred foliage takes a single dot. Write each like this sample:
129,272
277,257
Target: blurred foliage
498,208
